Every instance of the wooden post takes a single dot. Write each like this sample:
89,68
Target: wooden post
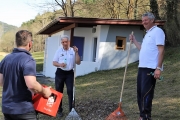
71,37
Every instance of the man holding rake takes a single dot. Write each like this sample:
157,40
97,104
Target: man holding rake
150,60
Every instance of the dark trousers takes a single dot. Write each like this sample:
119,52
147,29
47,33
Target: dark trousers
145,92
27,116
66,77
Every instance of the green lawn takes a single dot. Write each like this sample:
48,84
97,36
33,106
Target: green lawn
38,56
97,94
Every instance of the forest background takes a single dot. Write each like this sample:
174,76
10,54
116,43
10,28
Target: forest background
116,9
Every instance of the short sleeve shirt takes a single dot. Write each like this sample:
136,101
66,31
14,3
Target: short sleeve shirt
148,57
65,56
16,97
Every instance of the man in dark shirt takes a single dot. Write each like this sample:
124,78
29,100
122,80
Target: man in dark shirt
18,78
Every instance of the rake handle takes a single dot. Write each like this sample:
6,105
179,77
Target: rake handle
125,71
74,82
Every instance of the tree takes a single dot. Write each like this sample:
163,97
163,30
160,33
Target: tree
154,8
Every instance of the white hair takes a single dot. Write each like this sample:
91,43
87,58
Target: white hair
65,36
149,15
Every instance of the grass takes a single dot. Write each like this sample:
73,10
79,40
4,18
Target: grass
103,87
38,56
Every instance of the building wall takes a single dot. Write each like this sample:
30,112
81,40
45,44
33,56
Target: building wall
107,56
52,44
113,58
87,65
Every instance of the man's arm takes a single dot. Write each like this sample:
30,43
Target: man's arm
36,87
1,79
56,64
78,60
157,72
160,55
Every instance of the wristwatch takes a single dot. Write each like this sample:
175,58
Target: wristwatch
159,68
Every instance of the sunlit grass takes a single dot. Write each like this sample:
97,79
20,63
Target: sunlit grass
38,56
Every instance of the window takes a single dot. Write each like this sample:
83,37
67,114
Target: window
94,49
120,43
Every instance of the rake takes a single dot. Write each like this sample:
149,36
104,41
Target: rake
118,114
73,114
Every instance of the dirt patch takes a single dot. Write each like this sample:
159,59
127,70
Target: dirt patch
95,109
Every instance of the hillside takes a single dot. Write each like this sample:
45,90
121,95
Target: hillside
4,28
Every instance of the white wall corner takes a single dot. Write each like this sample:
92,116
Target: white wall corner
102,37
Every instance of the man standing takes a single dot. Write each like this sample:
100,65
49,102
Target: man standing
65,59
18,78
150,60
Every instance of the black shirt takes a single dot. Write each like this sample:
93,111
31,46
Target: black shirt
16,98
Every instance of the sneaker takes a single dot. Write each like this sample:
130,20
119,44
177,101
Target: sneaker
59,114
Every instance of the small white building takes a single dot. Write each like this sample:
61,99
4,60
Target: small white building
102,43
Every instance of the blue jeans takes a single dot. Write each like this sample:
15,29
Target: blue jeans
66,77
145,92
27,116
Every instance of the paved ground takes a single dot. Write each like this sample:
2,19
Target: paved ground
45,80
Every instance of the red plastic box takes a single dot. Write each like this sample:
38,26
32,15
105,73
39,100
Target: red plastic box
47,106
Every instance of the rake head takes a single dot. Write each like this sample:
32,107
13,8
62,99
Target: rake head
73,115
118,114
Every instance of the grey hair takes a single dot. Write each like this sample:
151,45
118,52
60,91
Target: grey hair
65,36
149,15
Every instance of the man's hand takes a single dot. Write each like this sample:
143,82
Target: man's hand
157,74
75,49
62,65
132,38
47,92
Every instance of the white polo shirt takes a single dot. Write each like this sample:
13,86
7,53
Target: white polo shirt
148,56
65,56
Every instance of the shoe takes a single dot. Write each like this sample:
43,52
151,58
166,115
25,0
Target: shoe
59,114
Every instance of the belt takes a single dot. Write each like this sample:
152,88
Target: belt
64,70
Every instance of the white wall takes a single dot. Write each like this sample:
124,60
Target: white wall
102,32
113,58
53,43
51,46
106,52
86,67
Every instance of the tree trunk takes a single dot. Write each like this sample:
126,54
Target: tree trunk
154,8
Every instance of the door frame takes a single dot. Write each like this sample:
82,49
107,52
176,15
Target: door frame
83,44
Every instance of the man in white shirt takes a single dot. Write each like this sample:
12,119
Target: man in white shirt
65,59
150,60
